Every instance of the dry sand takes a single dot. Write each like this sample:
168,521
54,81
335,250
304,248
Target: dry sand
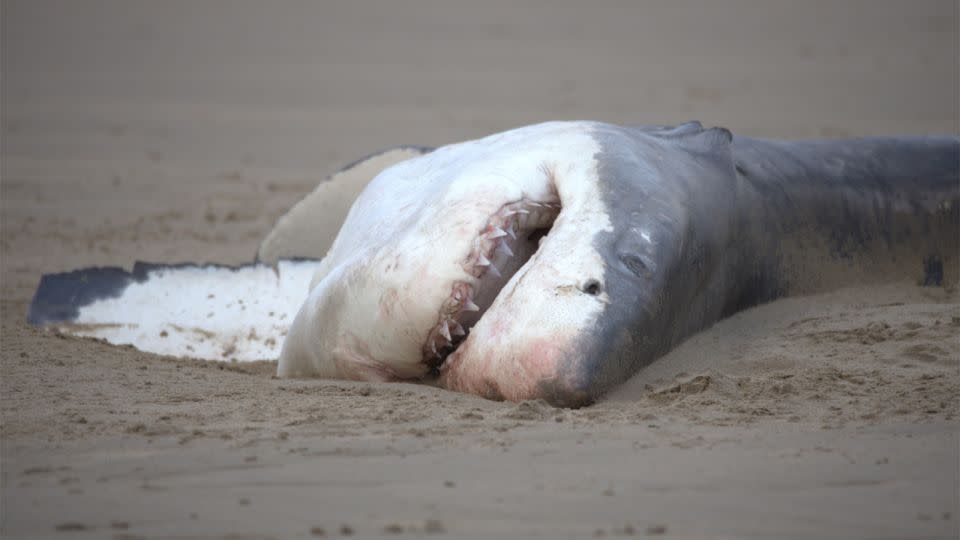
181,131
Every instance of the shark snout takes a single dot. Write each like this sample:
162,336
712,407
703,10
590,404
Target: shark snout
545,367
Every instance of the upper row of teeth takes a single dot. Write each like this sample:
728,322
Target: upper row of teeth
522,215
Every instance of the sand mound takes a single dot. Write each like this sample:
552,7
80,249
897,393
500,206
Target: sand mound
859,355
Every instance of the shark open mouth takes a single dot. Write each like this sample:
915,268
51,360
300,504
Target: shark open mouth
505,244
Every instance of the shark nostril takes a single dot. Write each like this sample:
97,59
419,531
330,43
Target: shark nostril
591,287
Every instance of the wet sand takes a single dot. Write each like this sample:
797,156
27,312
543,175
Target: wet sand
178,131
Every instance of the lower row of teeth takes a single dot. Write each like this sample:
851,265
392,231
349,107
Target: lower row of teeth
501,228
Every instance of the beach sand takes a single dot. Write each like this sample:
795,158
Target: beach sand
173,132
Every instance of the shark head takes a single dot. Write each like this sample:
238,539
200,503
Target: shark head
509,267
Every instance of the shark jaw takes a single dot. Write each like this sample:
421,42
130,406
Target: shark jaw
507,242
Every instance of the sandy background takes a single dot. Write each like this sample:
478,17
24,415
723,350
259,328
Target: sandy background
175,131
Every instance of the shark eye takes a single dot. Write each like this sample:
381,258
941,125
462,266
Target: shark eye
591,287
636,265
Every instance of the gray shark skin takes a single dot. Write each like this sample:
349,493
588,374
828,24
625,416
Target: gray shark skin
707,224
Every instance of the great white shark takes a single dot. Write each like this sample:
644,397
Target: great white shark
551,261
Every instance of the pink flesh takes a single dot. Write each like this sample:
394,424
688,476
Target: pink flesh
497,372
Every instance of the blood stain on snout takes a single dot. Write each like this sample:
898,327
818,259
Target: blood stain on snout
543,356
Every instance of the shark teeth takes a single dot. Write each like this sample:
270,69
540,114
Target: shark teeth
445,330
495,233
504,248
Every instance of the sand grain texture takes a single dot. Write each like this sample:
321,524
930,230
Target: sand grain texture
181,131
